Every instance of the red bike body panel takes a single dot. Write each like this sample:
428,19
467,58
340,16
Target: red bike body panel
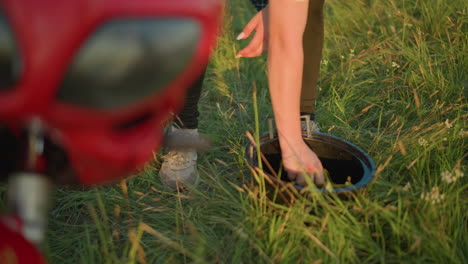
14,248
49,33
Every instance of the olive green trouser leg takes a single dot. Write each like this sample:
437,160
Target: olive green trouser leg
313,43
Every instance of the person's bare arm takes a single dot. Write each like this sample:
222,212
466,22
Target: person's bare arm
286,23
280,26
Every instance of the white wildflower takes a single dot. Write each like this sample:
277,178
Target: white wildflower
395,65
324,62
448,124
342,57
449,177
351,53
423,142
459,174
434,196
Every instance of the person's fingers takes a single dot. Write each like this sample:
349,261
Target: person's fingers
248,28
316,177
316,170
255,46
291,174
300,179
250,53
305,167
319,178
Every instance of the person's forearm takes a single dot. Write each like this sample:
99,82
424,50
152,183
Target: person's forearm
285,61
287,20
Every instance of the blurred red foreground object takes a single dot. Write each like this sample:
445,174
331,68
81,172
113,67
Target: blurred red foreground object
14,249
86,87
102,77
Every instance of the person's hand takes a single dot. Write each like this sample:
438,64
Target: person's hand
299,161
259,43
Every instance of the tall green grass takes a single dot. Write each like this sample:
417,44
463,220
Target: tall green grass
393,81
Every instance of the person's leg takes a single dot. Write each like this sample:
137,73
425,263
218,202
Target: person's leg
188,116
179,168
313,43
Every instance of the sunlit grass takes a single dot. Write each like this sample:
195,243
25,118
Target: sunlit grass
393,81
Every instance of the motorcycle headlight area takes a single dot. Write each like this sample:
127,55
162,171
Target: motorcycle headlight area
124,61
10,62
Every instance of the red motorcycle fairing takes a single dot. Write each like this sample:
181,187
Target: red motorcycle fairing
101,144
14,248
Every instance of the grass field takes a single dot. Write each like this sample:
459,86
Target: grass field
393,81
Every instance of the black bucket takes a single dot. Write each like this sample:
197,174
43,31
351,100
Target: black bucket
343,160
